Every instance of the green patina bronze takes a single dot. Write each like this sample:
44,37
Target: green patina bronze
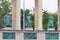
50,22
7,20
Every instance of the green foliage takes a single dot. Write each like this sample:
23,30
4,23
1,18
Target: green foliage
55,21
27,12
45,19
5,6
46,15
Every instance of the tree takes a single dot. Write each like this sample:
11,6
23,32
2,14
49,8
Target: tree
45,19
5,6
55,20
27,12
46,15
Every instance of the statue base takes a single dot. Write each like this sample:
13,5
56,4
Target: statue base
51,29
28,28
7,28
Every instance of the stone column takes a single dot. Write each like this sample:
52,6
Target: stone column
18,15
41,36
58,14
1,35
16,22
13,14
19,35
38,14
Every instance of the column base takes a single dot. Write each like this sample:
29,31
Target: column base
28,28
7,28
51,29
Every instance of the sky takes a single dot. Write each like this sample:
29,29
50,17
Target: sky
29,4
50,5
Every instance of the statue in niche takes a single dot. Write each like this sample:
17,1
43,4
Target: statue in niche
50,22
7,20
28,21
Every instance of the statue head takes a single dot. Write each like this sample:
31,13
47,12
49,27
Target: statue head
8,13
51,18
